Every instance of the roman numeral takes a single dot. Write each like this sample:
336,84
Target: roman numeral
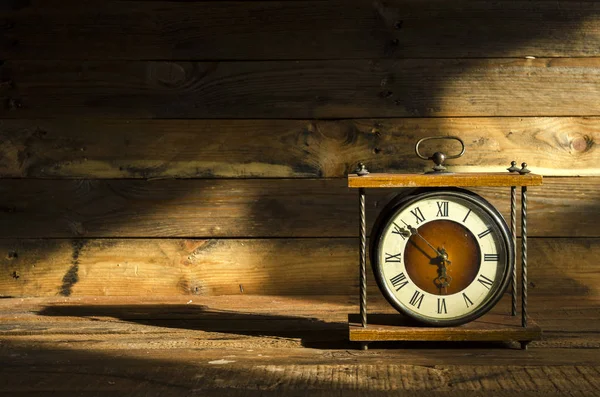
442,208
484,233
392,257
418,214
467,300
466,216
398,230
490,257
417,299
442,306
399,281
486,282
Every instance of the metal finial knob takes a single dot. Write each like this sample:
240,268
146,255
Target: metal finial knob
513,167
361,169
524,169
438,158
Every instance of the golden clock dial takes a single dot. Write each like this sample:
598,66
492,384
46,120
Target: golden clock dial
442,257
423,264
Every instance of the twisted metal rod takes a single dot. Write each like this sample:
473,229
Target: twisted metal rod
524,256
363,257
513,229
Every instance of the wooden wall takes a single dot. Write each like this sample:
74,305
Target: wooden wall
200,147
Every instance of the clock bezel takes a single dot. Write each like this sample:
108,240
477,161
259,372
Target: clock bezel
405,199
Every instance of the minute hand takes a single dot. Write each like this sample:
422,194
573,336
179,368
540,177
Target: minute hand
414,231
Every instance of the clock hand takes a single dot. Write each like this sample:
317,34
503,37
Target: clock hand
413,231
443,280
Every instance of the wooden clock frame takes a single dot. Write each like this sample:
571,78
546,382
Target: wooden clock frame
490,327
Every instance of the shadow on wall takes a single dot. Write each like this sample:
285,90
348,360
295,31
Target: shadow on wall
90,209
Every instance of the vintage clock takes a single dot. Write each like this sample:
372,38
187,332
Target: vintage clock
443,256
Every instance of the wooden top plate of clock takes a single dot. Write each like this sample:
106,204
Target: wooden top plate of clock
495,179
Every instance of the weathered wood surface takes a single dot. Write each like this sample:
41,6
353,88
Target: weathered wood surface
272,346
157,374
43,29
301,89
386,180
101,148
132,267
120,63
249,208
568,321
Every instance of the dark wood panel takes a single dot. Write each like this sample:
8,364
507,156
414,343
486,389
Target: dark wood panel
163,267
297,30
301,89
248,208
101,148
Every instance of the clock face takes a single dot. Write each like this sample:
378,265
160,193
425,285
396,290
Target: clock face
442,257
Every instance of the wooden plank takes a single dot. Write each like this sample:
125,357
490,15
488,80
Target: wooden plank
249,208
489,328
229,321
443,180
162,267
233,321
157,374
301,89
174,267
214,359
278,29
103,148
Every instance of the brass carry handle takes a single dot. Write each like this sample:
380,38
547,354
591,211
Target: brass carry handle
440,137
439,157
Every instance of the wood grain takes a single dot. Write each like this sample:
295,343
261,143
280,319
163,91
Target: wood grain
297,30
82,84
163,267
234,321
249,208
489,328
443,180
103,148
301,89
270,346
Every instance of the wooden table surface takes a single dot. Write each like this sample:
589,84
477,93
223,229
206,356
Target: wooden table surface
276,346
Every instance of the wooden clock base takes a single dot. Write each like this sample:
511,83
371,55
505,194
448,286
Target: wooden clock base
488,328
